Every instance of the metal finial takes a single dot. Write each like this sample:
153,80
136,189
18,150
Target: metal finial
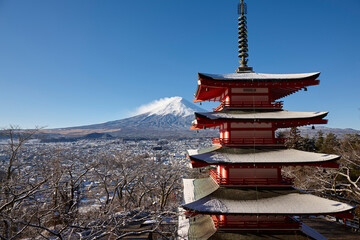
243,46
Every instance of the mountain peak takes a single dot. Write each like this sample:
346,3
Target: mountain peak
176,106
160,116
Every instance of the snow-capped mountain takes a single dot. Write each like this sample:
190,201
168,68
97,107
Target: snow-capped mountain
176,106
163,117
166,117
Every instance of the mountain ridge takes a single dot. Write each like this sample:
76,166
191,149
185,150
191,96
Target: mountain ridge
166,117
174,112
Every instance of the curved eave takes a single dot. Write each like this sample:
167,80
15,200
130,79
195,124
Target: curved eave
198,163
269,213
215,119
211,86
251,76
265,202
263,157
263,116
205,93
195,189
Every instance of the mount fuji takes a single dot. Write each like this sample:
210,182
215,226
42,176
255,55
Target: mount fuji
166,117
163,118
173,113
176,106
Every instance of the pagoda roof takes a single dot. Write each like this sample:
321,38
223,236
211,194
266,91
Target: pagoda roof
196,227
252,76
266,156
263,201
212,86
195,189
260,115
281,119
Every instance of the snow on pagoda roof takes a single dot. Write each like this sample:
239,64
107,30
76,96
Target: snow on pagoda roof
216,155
287,201
196,227
194,189
251,115
259,76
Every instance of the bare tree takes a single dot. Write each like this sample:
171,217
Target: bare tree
19,187
346,179
63,194
16,139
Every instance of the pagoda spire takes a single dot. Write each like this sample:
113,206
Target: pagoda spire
243,50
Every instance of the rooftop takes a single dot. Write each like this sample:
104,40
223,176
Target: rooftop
226,155
254,115
255,200
252,76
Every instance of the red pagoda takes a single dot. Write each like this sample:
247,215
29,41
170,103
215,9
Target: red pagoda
246,194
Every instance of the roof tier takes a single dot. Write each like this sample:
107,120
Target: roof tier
281,119
197,227
260,156
195,189
203,227
212,86
262,201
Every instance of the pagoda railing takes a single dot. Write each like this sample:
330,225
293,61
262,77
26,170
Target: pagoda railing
248,141
251,181
250,104
283,225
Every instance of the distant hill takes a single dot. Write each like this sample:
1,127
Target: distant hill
339,132
96,135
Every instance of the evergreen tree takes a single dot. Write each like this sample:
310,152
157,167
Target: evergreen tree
330,144
296,141
307,144
319,141
293,141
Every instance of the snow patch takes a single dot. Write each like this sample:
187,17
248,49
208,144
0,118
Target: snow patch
174,105
215,205
89,208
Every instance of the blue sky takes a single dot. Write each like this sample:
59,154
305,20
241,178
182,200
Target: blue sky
75,62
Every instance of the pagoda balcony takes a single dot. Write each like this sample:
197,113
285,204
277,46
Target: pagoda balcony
250,105
256,225
248,141
284,182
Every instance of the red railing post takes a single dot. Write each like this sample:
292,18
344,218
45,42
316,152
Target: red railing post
250,104
250,181
286,224
247,141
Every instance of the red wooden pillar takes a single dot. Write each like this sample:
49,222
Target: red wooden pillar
229,131
219,173
216,219
226,132
227,101
225,171
222,220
